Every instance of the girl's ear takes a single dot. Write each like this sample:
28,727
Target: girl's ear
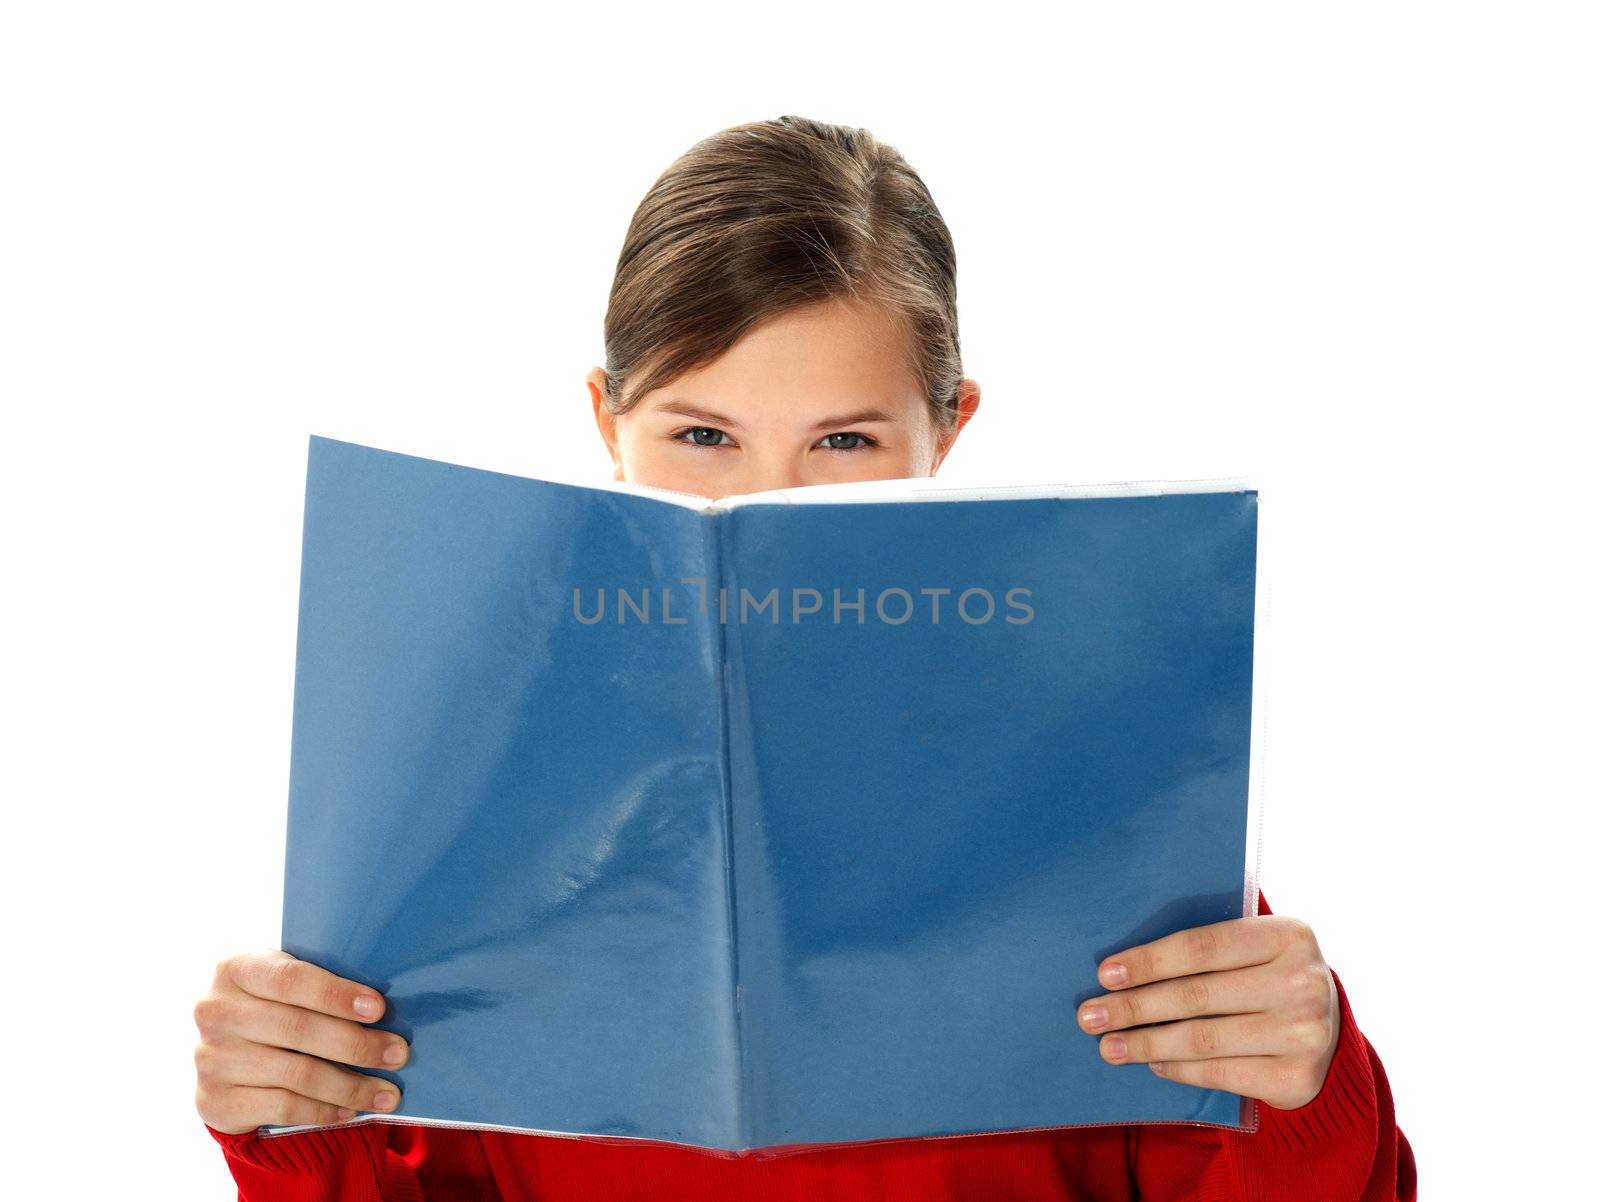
604,419
967,397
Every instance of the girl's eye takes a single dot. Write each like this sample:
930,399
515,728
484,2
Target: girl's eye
710,436
696,439
861,440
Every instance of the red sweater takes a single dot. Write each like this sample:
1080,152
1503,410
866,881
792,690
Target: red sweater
1342,1146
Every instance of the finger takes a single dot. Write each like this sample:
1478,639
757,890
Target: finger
280,977
1282,1083
1214,1038
1236,991
309,1076
278,1108
341,1040
1235,943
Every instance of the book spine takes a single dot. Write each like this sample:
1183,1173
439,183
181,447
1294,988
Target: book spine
717,524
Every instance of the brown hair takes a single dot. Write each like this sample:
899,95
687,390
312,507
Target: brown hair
770,216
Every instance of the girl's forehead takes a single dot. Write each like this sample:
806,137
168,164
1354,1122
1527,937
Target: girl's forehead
813,365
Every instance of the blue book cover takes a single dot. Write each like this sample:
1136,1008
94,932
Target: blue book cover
789,819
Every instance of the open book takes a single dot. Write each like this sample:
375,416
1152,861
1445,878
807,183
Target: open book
793,818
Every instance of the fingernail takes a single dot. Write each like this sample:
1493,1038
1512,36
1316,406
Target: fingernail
1114,1047
368,1007
394,1053
1114,974
346,1113
1094,1016
383,1101
1157,1067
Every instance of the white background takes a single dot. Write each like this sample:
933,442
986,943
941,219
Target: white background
1347,250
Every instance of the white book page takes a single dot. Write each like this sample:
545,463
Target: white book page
929,488
925,488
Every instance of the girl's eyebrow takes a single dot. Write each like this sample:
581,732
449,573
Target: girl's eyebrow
721,419
705,415
851,419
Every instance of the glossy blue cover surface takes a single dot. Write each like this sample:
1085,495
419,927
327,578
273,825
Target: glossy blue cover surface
772,881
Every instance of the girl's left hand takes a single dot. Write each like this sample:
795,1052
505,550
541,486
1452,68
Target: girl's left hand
1276,1009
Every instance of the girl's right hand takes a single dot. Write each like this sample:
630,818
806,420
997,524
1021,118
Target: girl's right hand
274,1033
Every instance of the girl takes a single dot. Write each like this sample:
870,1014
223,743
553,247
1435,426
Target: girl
784,314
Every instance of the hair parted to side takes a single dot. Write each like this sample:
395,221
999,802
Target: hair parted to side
766,217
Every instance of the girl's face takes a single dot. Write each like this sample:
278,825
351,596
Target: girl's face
816,396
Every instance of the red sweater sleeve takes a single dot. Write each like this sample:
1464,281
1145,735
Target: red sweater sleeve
339,1164
1342,1146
